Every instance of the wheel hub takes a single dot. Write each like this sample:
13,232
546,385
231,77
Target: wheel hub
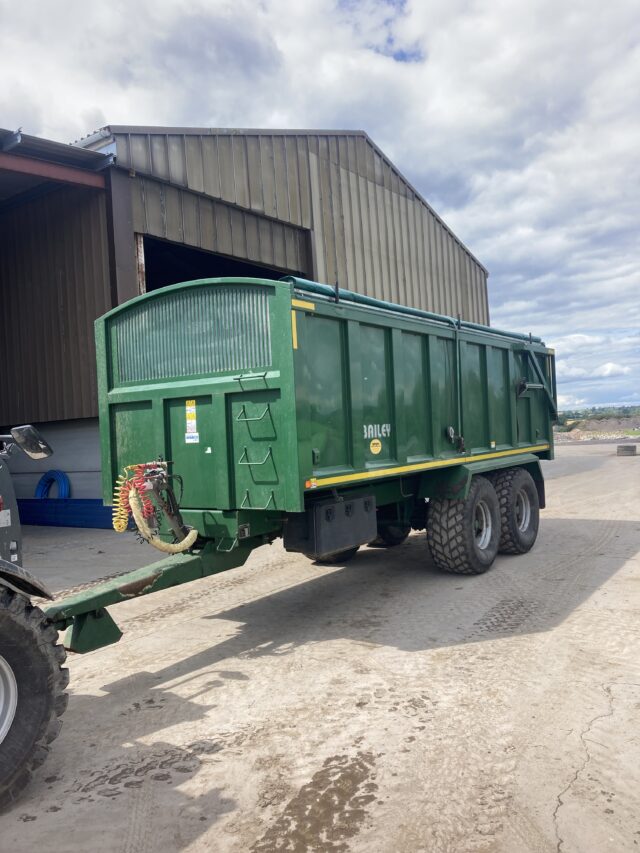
483,525
8,698
523,510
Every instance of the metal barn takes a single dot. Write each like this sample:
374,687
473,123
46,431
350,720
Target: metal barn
86,227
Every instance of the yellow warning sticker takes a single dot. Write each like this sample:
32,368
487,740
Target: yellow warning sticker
376,446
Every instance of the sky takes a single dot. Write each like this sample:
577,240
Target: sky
518,122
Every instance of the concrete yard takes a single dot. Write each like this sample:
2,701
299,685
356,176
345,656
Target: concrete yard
68,557
380,706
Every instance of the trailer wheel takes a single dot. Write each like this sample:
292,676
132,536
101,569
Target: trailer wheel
340,557
392,534
519,510
463,535
32,691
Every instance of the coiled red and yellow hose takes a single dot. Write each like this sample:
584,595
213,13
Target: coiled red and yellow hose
131,497
131,480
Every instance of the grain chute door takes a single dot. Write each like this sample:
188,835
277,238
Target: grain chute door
258,459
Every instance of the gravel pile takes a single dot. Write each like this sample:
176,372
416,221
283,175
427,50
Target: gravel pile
591,435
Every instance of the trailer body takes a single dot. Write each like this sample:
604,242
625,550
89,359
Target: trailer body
264,395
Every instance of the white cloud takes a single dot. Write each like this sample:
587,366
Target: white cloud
612,369
576,342
565,371
569,401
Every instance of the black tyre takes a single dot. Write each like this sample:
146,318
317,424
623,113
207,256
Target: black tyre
390,535
32,692
340,557
463,535
626,450
519,510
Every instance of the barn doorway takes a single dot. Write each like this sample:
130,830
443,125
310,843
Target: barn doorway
161,262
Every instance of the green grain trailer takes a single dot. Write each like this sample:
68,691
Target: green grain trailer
235,411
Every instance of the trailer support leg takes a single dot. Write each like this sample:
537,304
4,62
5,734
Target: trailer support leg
91,631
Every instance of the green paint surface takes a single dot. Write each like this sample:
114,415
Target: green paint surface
364,391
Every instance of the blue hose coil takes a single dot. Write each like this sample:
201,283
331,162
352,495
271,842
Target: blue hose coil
47,480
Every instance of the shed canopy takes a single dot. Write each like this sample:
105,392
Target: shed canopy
29,165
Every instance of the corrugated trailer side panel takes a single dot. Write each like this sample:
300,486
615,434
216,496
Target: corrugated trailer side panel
379,394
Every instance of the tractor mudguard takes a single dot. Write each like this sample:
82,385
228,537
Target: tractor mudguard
20,580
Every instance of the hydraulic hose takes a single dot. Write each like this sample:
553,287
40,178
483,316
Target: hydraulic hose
145,531
125,486
359,299
120,514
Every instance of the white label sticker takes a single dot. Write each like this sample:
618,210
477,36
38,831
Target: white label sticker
191,435
5,518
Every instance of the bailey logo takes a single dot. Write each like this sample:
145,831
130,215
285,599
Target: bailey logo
377,430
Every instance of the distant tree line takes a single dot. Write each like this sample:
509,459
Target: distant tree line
597,413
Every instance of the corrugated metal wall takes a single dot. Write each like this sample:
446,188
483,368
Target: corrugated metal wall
166,211
76,448
370,229
54,282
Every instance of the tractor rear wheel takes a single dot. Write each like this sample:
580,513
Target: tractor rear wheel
32,691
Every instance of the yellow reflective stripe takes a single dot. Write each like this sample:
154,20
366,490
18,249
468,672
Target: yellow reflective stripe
299,303
423,466
294,329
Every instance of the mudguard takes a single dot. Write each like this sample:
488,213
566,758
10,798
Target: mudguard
20,580
454,482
